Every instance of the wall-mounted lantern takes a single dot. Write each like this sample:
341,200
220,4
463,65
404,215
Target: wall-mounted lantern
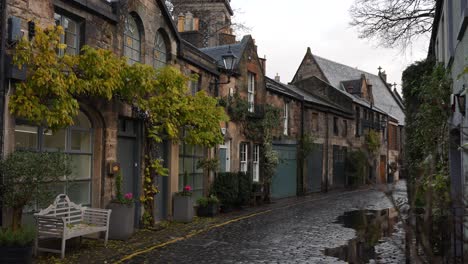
461,101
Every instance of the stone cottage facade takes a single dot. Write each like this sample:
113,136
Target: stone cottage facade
108,131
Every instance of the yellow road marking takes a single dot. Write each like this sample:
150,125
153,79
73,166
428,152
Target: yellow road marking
136,253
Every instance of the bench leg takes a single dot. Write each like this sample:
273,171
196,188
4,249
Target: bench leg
63,248
106,237
36,244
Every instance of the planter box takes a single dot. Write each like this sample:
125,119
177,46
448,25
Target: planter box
16,254
183,208
122,221
208,211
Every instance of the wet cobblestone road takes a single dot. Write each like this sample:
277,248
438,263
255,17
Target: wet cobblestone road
295,234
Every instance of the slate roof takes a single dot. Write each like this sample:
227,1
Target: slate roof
300,94
384,98
218,51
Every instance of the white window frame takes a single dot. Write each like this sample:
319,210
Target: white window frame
243,157
285,118
256,163
251,92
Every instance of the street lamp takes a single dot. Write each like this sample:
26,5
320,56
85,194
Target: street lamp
461,100
229,61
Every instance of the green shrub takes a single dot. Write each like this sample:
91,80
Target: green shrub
226,188
205,201
245,188
29,177
356,167
21,237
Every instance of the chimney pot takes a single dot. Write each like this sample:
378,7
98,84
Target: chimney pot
277,78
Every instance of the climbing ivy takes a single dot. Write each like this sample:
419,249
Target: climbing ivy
372,142
426,89
259,127
49,97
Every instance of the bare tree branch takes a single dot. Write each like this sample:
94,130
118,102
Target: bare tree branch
393,22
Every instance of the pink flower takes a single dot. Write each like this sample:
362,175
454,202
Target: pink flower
187,188
128,196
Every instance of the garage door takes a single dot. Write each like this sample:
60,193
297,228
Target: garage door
284,182
315,169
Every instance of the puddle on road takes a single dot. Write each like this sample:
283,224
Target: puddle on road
371,226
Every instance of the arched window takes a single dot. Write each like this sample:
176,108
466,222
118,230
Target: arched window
160,51
132,40
75,141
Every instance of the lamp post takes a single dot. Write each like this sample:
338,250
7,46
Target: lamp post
229,61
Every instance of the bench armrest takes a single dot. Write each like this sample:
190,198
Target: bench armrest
50,225
96,216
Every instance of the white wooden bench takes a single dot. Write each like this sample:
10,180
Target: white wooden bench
64,220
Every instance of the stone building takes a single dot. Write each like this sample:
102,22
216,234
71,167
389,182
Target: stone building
449,46
372,105
108,131
205,23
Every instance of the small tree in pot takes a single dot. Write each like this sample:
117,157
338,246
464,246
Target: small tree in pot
28,178
122,220
208,206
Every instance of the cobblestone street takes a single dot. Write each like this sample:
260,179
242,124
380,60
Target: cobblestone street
297,233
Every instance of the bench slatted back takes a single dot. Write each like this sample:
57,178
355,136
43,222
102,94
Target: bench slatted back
64,208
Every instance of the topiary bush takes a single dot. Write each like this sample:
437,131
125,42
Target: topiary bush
226,188
245,188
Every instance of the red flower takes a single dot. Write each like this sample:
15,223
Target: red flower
187,188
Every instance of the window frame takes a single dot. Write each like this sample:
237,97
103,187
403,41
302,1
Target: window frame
40,147
130,59
336,130
286,118
243,157
78,33
251,91
256,163
158,63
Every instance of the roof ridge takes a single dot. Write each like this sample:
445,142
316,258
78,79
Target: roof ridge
345,65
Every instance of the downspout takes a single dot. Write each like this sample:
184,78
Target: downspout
2,85
327,141
303,158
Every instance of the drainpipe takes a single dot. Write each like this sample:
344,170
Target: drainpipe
327,142
302,162
2,84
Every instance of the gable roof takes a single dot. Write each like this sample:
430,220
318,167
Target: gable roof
237,49
384,98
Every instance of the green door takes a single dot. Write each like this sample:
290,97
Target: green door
222,159
315,169
284,182
339,177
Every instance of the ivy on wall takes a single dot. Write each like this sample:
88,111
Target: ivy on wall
49,97
258,127
426,89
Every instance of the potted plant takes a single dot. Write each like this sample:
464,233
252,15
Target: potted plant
122,220
208,206
28,179
183,205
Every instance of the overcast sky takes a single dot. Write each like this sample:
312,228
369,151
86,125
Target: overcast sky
284,29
